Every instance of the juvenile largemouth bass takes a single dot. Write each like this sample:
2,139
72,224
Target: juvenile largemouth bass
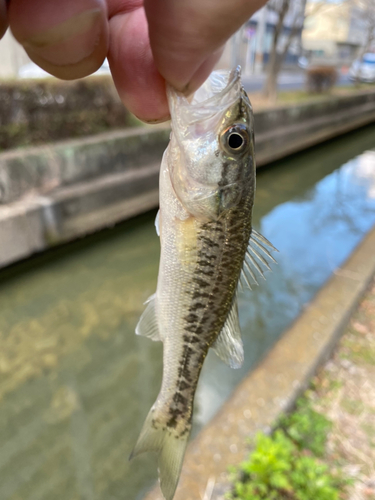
207,186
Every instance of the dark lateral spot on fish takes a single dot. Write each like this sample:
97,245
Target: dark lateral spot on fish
200,282
175,413
194,339
209,242
205,263
191,318
187,352
180,399
184,385
196,305
208,273
195,330
191,329
211,256
185,431
205,255
217,152
199,295
172,422
183,372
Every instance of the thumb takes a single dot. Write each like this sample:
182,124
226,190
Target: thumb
68,38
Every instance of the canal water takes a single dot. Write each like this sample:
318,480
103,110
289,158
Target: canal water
76,383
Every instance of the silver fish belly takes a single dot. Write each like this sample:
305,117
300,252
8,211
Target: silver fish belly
208,247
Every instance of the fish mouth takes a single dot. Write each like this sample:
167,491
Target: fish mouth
220,91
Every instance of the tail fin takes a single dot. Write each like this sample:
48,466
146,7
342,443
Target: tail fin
170,446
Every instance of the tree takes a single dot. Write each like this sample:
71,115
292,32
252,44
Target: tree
292,14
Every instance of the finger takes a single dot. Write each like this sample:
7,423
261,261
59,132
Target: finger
3,18
185,34
137,80
203,71
68,38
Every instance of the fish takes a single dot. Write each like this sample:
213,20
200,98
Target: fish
208,249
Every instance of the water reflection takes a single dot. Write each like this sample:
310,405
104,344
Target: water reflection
76,383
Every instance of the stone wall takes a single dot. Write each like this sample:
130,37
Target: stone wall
40,111
288,129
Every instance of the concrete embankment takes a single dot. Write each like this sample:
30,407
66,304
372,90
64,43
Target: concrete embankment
56,193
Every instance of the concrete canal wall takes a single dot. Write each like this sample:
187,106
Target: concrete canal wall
55,193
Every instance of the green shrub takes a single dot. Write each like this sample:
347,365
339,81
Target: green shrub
306,428
282,466
313,481
266,473
277,470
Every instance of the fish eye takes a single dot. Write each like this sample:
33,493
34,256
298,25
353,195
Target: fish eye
235,138
235,141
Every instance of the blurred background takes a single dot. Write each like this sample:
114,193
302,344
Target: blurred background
79,253
290,34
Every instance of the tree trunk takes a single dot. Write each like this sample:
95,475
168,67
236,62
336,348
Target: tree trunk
276,59
270,89
273,66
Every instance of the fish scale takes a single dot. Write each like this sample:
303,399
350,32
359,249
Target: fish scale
207,186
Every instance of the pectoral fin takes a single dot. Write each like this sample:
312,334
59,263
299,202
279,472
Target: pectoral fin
148,323
157,223
228,346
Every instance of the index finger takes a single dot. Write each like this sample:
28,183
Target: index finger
186,36
3,18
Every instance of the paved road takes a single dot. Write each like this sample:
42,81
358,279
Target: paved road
286,81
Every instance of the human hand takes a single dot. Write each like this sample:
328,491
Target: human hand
147,42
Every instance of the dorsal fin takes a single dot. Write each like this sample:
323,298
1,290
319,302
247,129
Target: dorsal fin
148,323
257,255
228,346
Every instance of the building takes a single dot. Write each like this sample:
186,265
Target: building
333,32
256,36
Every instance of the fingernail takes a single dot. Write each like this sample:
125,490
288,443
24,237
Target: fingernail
158,120
70,41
